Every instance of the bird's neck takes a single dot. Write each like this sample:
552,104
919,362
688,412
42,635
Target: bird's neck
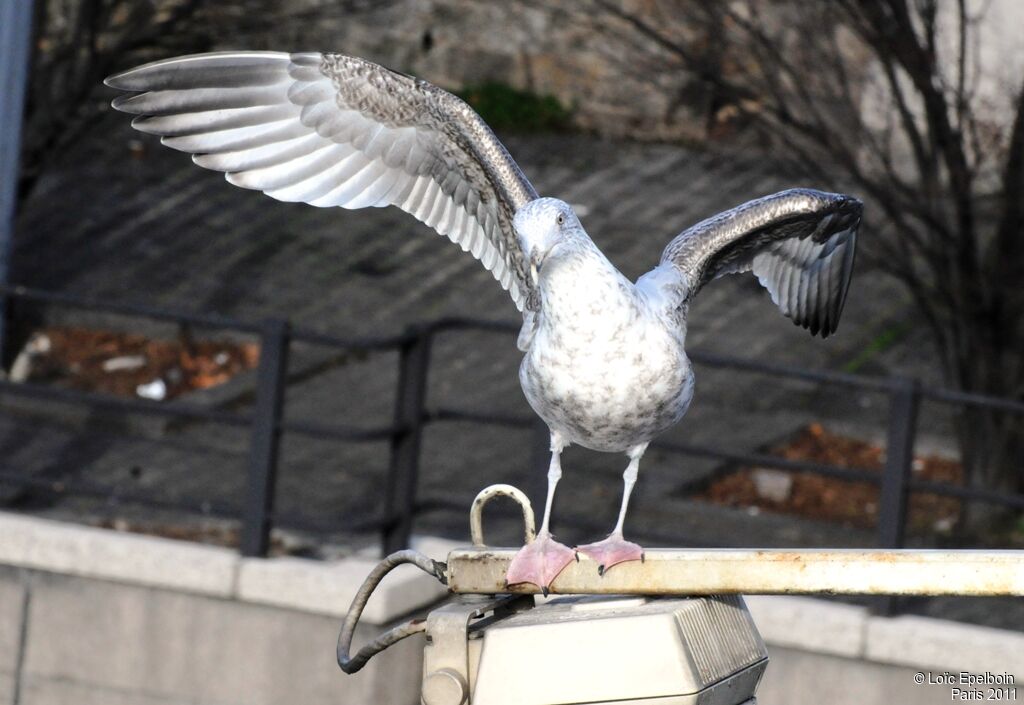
581,282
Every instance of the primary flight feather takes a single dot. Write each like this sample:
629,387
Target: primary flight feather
604,362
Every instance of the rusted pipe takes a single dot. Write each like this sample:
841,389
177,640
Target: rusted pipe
788,572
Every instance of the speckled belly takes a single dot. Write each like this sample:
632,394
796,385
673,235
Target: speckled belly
611,396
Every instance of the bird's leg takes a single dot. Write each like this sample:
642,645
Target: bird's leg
615,549
541,560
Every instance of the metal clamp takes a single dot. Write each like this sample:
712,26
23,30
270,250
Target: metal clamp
476,526
447,674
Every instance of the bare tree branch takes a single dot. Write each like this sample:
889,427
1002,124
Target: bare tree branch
918,158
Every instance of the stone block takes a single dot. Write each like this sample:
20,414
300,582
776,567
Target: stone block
328,587
12,600
6,689
809,624
797,677
44,691
926,643
202,649
81,550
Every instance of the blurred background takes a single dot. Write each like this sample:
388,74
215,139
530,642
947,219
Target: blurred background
159,324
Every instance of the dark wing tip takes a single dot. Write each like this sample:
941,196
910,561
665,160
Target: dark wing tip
818,325
852,206
841,212
826,330
824,200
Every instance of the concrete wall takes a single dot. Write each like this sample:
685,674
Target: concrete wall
823,652
95,617
95,641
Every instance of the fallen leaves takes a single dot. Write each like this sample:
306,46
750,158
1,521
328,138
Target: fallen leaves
823,498
118,363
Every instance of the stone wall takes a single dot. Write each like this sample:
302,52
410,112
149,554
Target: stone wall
527,44
96,617
621,87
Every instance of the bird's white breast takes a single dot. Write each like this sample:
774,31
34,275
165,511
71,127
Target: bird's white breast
605,369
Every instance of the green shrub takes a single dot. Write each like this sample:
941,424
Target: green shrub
881,342
507,109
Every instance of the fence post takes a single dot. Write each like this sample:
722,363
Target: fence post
403,471
263,446
15,53
904,399
899,459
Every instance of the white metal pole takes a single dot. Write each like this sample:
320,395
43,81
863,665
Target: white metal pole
746,571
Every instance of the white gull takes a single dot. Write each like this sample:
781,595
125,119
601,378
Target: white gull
604,363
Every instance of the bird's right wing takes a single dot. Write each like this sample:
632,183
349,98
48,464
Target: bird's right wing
799,243
336,130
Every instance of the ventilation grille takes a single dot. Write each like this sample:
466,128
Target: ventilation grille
720,635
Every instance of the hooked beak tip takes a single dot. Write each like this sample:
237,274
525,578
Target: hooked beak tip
535,264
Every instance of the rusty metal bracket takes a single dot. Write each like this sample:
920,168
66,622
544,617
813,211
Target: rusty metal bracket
476,527
448,665
673,571
667,571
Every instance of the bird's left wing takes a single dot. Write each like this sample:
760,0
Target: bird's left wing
799,243
336,130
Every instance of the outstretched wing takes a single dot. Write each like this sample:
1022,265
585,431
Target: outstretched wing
799,243
335,130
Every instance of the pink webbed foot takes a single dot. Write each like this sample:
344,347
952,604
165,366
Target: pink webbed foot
612,551
539,562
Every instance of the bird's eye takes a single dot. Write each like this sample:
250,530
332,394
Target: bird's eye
560,219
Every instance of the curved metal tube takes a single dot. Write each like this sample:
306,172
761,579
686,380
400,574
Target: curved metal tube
476,524
415,626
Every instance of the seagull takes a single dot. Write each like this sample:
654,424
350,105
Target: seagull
604,361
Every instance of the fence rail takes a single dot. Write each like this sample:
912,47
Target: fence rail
411,416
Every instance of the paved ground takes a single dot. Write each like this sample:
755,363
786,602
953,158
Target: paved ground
149,227
153,228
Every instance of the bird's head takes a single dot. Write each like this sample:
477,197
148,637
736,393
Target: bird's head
542,225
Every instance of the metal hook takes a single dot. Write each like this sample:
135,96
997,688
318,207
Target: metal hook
476,526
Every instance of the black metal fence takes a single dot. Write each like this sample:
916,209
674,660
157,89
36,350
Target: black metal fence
266,424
